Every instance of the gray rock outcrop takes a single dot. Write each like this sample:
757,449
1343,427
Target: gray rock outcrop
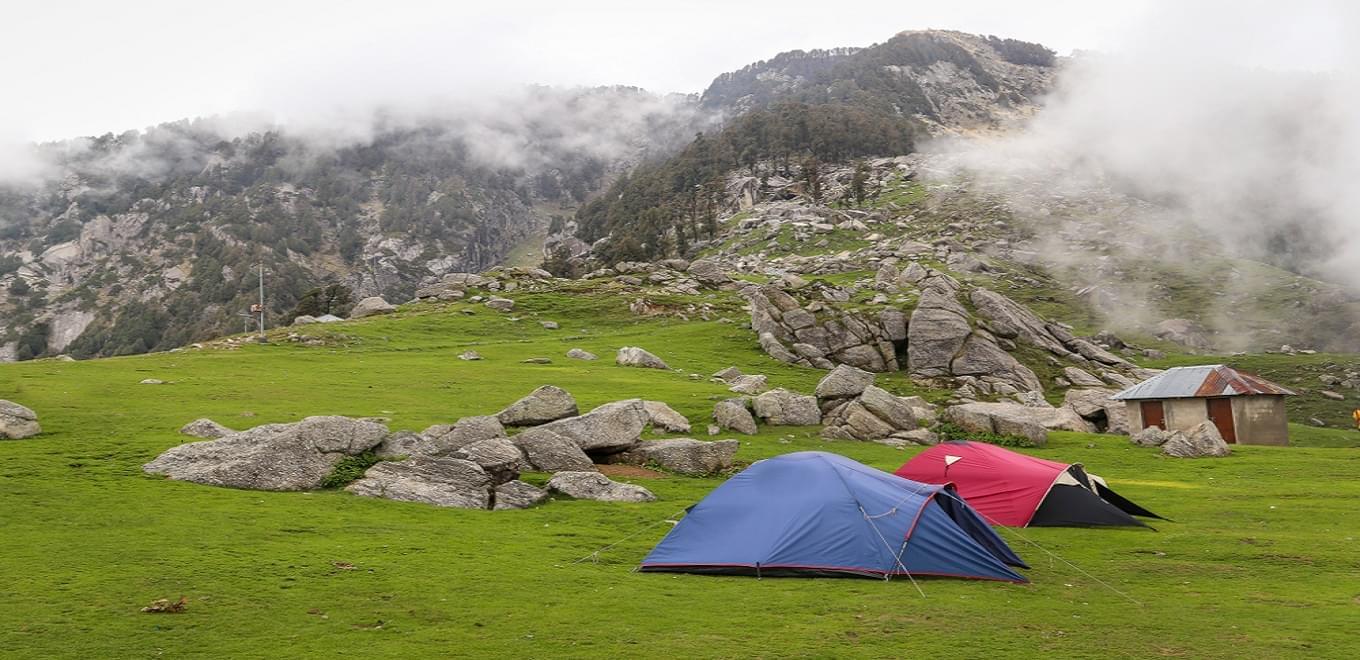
545,404
446,482
297,456
371,306
844,382
518,495
498,457
1096,407
596,486
1202,441
440,440
1150,437
687,456
547,451
609,428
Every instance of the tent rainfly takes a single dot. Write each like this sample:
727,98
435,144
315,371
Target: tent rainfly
1013,489
815,514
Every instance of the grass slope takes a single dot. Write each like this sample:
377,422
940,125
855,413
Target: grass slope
1261,560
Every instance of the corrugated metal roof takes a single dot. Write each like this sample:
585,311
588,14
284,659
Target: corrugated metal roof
1200,381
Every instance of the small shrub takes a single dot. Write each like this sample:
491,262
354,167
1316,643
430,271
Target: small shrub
949,431
349,470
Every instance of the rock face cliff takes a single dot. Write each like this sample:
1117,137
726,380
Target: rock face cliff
151,240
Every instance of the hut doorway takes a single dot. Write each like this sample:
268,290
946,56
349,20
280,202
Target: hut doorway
1153,415
1220,413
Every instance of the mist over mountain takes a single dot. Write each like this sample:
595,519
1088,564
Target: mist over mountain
149,239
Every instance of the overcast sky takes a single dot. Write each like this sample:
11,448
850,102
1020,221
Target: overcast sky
84,67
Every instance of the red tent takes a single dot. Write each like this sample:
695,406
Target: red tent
1012,489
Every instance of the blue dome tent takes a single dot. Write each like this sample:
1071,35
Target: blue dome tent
821,514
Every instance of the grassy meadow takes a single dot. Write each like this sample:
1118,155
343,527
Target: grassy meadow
1262,559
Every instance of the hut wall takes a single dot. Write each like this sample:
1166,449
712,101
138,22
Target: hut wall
1260,420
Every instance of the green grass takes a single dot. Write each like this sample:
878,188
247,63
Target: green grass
1261,560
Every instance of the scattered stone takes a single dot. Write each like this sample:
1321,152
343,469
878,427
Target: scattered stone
732,415
632,356
17,422
596,486
518,495
200,428
749,384
1199,442
151,381
470,355
297,456
580,354
665,418
549,325
1335,396
500,304
304,319
714,429
371,306
446,482
687,456
781,407
727,375
545,404
536,360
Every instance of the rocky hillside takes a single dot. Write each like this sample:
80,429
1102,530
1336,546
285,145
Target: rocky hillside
151,240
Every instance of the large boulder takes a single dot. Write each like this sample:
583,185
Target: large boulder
401,444
733,416
499,457
17,422
665,417
448,482
695,458
596,486
708,272
1003,418
844,382
205,428
546,404
371,306
1096,407
936,333
441,440
784,408
894,410
1199,442
1151,436
609,428
981,356
632,356
547,451
296,456
518,495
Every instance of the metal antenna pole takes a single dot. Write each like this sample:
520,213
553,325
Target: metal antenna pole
262,335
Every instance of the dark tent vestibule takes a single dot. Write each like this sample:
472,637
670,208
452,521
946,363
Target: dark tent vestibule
1016,490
